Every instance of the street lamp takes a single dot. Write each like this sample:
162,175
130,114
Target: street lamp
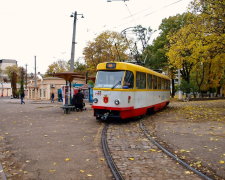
74,15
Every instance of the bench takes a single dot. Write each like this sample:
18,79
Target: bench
68,108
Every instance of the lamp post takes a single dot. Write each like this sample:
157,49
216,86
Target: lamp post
74,15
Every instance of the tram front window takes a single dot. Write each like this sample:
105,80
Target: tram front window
109,79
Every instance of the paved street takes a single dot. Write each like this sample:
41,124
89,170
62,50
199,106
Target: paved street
38,141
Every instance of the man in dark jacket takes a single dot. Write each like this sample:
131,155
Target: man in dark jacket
79,103
22,95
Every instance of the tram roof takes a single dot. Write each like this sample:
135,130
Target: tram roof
131,67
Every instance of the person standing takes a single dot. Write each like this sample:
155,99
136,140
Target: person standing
22,95
52,97
79,103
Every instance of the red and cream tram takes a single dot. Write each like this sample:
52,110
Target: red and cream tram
125,90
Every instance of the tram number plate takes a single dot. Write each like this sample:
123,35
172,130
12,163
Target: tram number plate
106,92
99,93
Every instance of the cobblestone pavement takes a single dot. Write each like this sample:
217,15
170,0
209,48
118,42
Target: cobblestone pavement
138,159
38,141
197,137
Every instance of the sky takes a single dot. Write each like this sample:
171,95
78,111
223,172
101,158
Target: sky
43,28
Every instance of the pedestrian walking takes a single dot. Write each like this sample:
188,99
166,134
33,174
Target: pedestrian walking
22,95
52,97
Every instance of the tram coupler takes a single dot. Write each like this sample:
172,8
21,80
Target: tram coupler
105,116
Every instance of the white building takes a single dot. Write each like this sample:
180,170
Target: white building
4,63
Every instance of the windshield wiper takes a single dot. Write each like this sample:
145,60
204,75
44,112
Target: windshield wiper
119,82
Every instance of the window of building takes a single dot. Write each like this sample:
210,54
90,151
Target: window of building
44,93
140,80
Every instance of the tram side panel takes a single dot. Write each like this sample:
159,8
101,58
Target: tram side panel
145,100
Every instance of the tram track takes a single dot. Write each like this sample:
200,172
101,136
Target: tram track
167,152
113,167
108,156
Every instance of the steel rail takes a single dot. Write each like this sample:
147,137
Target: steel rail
142,126
2,173
108,156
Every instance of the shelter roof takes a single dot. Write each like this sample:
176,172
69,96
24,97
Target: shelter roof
69,76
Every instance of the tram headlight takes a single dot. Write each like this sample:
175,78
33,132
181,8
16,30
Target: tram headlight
95,100
117,102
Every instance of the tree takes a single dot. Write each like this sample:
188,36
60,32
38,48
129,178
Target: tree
12,72
79,67
21,77
156,52
157,58
200,48
108,46
211,15
56,67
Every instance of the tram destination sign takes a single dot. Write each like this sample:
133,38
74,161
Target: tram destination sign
111,65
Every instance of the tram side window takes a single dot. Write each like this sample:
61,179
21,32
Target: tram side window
129,80
154,80
159,84
140,80
150,81
163,83
168,84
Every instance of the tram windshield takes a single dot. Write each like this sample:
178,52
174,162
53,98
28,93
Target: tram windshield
109,79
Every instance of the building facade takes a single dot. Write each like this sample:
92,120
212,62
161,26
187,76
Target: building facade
5,87
4,63
47,86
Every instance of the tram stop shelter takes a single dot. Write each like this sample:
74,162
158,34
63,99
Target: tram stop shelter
69,77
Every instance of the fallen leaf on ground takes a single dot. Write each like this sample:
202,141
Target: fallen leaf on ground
153,150
222,162
52,170
187,172
131,158
67,159
82,171
89,175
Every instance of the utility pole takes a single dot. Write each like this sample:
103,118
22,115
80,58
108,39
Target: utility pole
35,73
35,79
74,15
26,76
73,42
